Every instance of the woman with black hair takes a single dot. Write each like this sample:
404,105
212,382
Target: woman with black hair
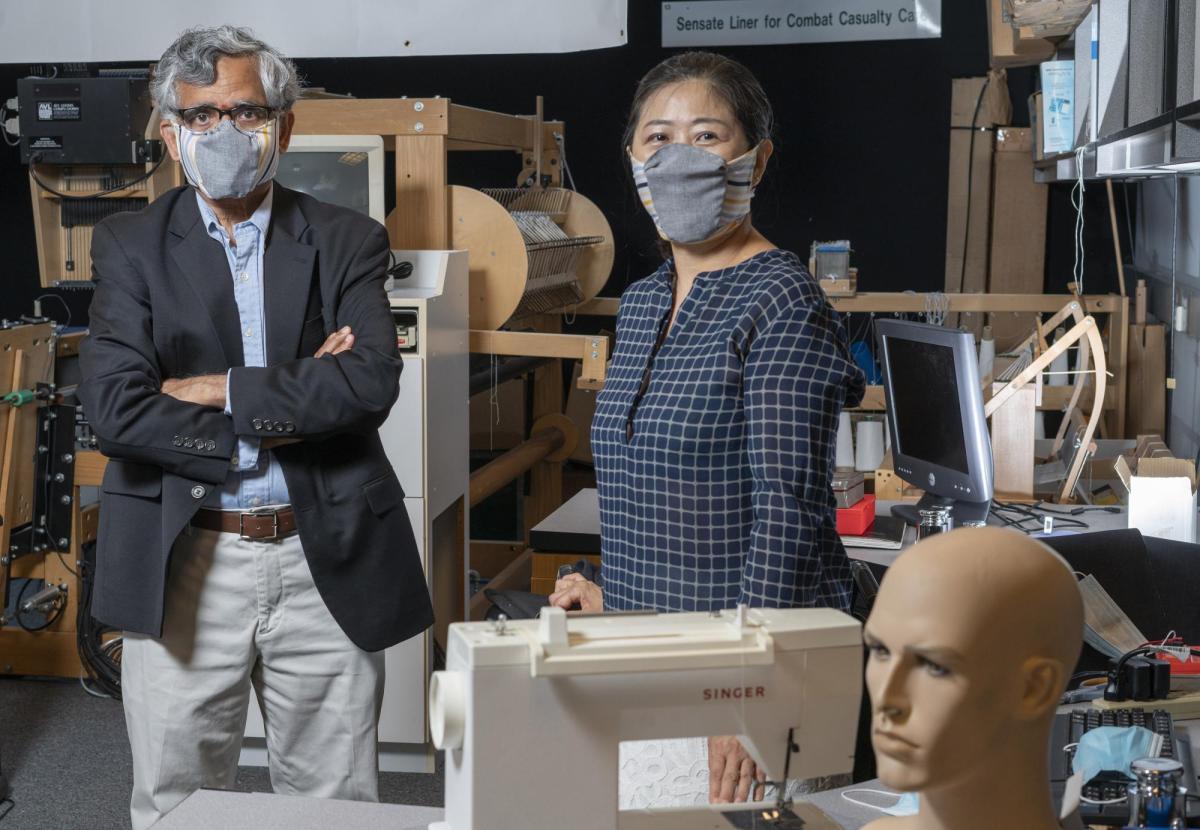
714,435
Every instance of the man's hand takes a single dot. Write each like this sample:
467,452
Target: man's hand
205,390
731,772
209,390
574,591
340,341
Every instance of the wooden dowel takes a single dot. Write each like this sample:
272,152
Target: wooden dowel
500,471
1112,216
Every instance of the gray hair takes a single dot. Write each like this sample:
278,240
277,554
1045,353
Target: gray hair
192,59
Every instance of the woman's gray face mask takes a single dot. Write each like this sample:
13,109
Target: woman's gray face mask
693,194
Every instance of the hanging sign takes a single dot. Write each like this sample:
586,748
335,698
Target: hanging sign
760,22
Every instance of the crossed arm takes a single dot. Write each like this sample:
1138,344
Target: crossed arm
209,390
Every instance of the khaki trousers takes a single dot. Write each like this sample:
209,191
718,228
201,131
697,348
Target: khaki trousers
239,615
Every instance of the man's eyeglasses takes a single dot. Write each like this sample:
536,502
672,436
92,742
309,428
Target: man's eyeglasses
245,117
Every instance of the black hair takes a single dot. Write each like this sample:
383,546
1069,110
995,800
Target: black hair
734,83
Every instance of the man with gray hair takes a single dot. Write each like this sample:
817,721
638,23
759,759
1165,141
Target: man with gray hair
241,358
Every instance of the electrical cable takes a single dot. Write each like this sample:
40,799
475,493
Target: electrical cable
1077,193
1174,299
51,619
66,307
123,186
4,132
562,154
962,276
101,659
1028,514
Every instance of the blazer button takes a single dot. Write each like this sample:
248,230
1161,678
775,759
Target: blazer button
198,492
257,423
279,426
288,426
177,441
189,442
210,445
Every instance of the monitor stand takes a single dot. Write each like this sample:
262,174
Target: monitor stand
961,512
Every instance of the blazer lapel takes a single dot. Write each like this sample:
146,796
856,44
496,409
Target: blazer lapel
203,263
287,277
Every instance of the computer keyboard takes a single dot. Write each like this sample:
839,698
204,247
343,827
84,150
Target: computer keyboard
1110,786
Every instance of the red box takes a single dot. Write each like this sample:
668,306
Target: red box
856,520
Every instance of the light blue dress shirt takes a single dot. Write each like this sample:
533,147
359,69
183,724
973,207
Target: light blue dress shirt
255,478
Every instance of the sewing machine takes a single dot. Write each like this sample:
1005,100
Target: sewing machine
531,712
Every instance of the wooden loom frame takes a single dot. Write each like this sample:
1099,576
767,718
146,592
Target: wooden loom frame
1086,334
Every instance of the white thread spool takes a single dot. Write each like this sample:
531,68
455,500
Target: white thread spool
869,446
845,443
1060,366
987,353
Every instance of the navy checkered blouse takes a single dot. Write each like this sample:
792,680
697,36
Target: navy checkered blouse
714,466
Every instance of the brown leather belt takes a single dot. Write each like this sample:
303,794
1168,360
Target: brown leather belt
259,525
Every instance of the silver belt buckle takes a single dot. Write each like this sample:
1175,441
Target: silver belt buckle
259,511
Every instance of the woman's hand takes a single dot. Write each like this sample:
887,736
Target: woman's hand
573,591
731,772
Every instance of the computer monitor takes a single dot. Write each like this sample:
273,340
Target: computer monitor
939,434
344,170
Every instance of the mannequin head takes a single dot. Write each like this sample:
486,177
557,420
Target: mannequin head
972,639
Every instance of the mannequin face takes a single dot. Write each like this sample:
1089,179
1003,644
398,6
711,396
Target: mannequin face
961,668
938,700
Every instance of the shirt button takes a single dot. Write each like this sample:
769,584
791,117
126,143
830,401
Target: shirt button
249,332
244,277
255,502
198,492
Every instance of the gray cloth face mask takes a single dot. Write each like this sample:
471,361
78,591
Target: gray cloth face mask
693,194
226,163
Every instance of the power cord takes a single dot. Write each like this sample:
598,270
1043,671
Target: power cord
1027,513
50,620
36,159
61,301
962,277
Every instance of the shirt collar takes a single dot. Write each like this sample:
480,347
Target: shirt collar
260,219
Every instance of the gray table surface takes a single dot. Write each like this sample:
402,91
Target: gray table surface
206,809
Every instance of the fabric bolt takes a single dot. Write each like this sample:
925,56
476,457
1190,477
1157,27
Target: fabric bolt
256,479
692,193
225,162
242,615
714,484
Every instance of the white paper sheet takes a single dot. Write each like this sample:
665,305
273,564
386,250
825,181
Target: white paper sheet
57,31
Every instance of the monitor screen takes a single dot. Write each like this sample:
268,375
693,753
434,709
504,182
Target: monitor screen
334,176
925,397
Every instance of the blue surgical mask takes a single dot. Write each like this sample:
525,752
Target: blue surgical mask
906,804
1113,748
